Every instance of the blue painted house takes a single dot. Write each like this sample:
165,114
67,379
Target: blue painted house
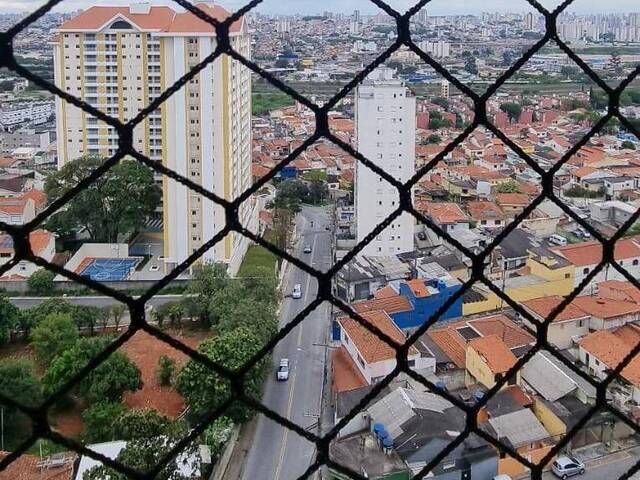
411,303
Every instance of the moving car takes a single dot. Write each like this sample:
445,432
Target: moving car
307,249
502,476
565,467
557,240
297,291
282,374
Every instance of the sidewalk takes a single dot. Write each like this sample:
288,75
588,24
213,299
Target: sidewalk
241,450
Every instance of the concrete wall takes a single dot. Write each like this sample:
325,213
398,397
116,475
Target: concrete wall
21,287
550,420
560,333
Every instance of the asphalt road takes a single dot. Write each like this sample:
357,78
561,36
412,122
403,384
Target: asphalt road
610,467
276,452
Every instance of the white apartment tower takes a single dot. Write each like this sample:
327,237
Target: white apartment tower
385,134
119,59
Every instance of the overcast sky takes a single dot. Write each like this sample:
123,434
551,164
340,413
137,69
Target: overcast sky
435,7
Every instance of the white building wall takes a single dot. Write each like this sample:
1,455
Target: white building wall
632,265
385,132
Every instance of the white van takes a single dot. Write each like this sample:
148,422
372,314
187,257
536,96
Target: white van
297,291
558,240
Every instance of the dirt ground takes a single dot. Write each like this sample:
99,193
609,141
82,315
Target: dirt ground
145,351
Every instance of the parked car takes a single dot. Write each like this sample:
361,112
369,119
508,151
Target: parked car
297,291
557,240
565,467
307,249
584,233
282,373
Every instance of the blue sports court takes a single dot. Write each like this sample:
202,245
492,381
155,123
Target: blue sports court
109,269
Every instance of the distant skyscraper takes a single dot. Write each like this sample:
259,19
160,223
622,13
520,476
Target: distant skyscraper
423,16
119,59
356,15
444,89
386,130
529,21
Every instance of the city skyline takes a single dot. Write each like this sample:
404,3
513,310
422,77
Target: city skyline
282,7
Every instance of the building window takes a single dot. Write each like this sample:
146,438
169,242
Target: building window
360,361
580,323
585,270
411,363
635,263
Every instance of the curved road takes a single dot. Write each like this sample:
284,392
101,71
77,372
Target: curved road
277,453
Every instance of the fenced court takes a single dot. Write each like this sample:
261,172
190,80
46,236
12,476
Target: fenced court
108,269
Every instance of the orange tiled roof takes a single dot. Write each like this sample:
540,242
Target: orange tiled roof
521,199
611,349
495,353
606,308
39,240
443,213
159,19
25,468
479,210
453,344
389,304
590,253
372,348
38,196
544,306
385,292
13,205
626,290
418,288
345,374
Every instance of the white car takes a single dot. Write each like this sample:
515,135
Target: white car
282,374
565,467
297,291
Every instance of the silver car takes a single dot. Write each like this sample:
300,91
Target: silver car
565,467
282,375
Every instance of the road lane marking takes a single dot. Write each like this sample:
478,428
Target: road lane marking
293,378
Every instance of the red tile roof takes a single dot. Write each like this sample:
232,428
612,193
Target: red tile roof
372,348
611,349
389,304
543,306
606,308
345,374
418,288
159,19
25,467
443,213
590,253
520,199
494,352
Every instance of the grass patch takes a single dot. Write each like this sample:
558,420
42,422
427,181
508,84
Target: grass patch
263,103
257,256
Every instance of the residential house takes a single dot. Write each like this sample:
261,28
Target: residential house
571,323
413,302
586,256
59,466
374,357
522,431
612,212
17,210
362,453
451,341
488,360
486,214
512,204
43,245
617,187
619,290
421,424
446,215
606,313
364,275
604,350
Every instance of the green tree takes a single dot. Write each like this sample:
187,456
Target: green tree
217,435
10,319
433,138
99,419
166,367
208,280
204,390
246,312
513,110
615,63
56,333
144,454
470,65
138,424
41,282
107,382
510,186
6,86
628,145
116,204
18,383
117,312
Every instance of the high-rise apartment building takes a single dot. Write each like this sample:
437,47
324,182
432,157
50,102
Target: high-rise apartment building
121,58
386,135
